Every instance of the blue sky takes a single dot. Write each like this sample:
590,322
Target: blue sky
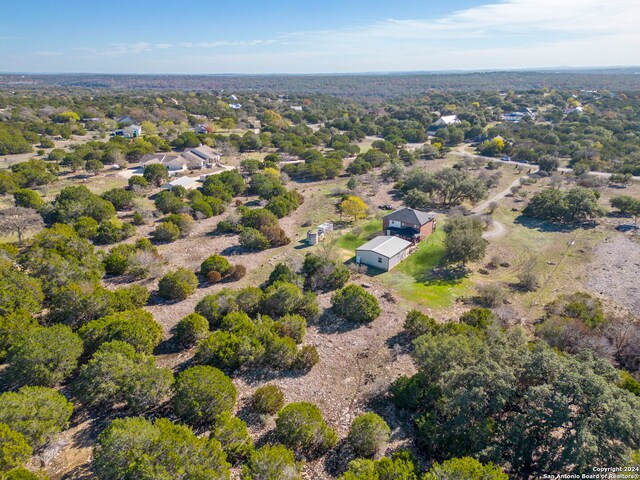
298,36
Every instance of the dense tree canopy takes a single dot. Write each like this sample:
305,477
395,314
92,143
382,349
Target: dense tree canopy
44,356
117,374
575,205
496,398
137,448
58,256
38,413
135,327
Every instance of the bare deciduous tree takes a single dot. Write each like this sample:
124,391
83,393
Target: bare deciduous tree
20,221
528,279
326,250
227,150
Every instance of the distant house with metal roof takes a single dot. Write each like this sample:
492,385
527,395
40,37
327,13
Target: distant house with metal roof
409,224
383,252
447,120
515,117
207,154
174,163
131,131
442,122
191,159
203,128
578,110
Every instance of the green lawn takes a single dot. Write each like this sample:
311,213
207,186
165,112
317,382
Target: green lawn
412,277
352,240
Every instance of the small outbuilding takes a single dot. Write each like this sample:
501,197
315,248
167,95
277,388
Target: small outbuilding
383,252
313,237
325,228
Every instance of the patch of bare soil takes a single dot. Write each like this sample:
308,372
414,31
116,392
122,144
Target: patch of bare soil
615,271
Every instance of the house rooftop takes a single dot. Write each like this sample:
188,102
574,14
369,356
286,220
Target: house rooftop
191,158
182,181
409,215
385,246
163,158
205,152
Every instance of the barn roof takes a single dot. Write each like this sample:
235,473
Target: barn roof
385,246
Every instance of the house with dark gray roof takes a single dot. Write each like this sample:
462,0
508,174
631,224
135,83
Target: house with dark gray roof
409,224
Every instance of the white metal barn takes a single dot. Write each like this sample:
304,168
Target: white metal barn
383,252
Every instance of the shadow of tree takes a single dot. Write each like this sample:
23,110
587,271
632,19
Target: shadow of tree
338,458
235,250
260,374
168,346
443,275
542,226
329,323
399,343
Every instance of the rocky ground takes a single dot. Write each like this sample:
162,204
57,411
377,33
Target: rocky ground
615,272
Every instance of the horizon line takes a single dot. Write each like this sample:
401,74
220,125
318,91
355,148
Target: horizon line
362,73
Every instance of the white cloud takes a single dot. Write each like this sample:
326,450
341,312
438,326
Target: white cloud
503,34
215,44
115,50
47,53
511,34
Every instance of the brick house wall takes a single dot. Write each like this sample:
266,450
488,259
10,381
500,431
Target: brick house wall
426,229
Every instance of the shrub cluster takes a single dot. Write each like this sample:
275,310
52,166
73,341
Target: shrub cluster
244,335
268,399
178,285
300,426
117,374
355,304
323,274
216,268
575,205
135,327
138,260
